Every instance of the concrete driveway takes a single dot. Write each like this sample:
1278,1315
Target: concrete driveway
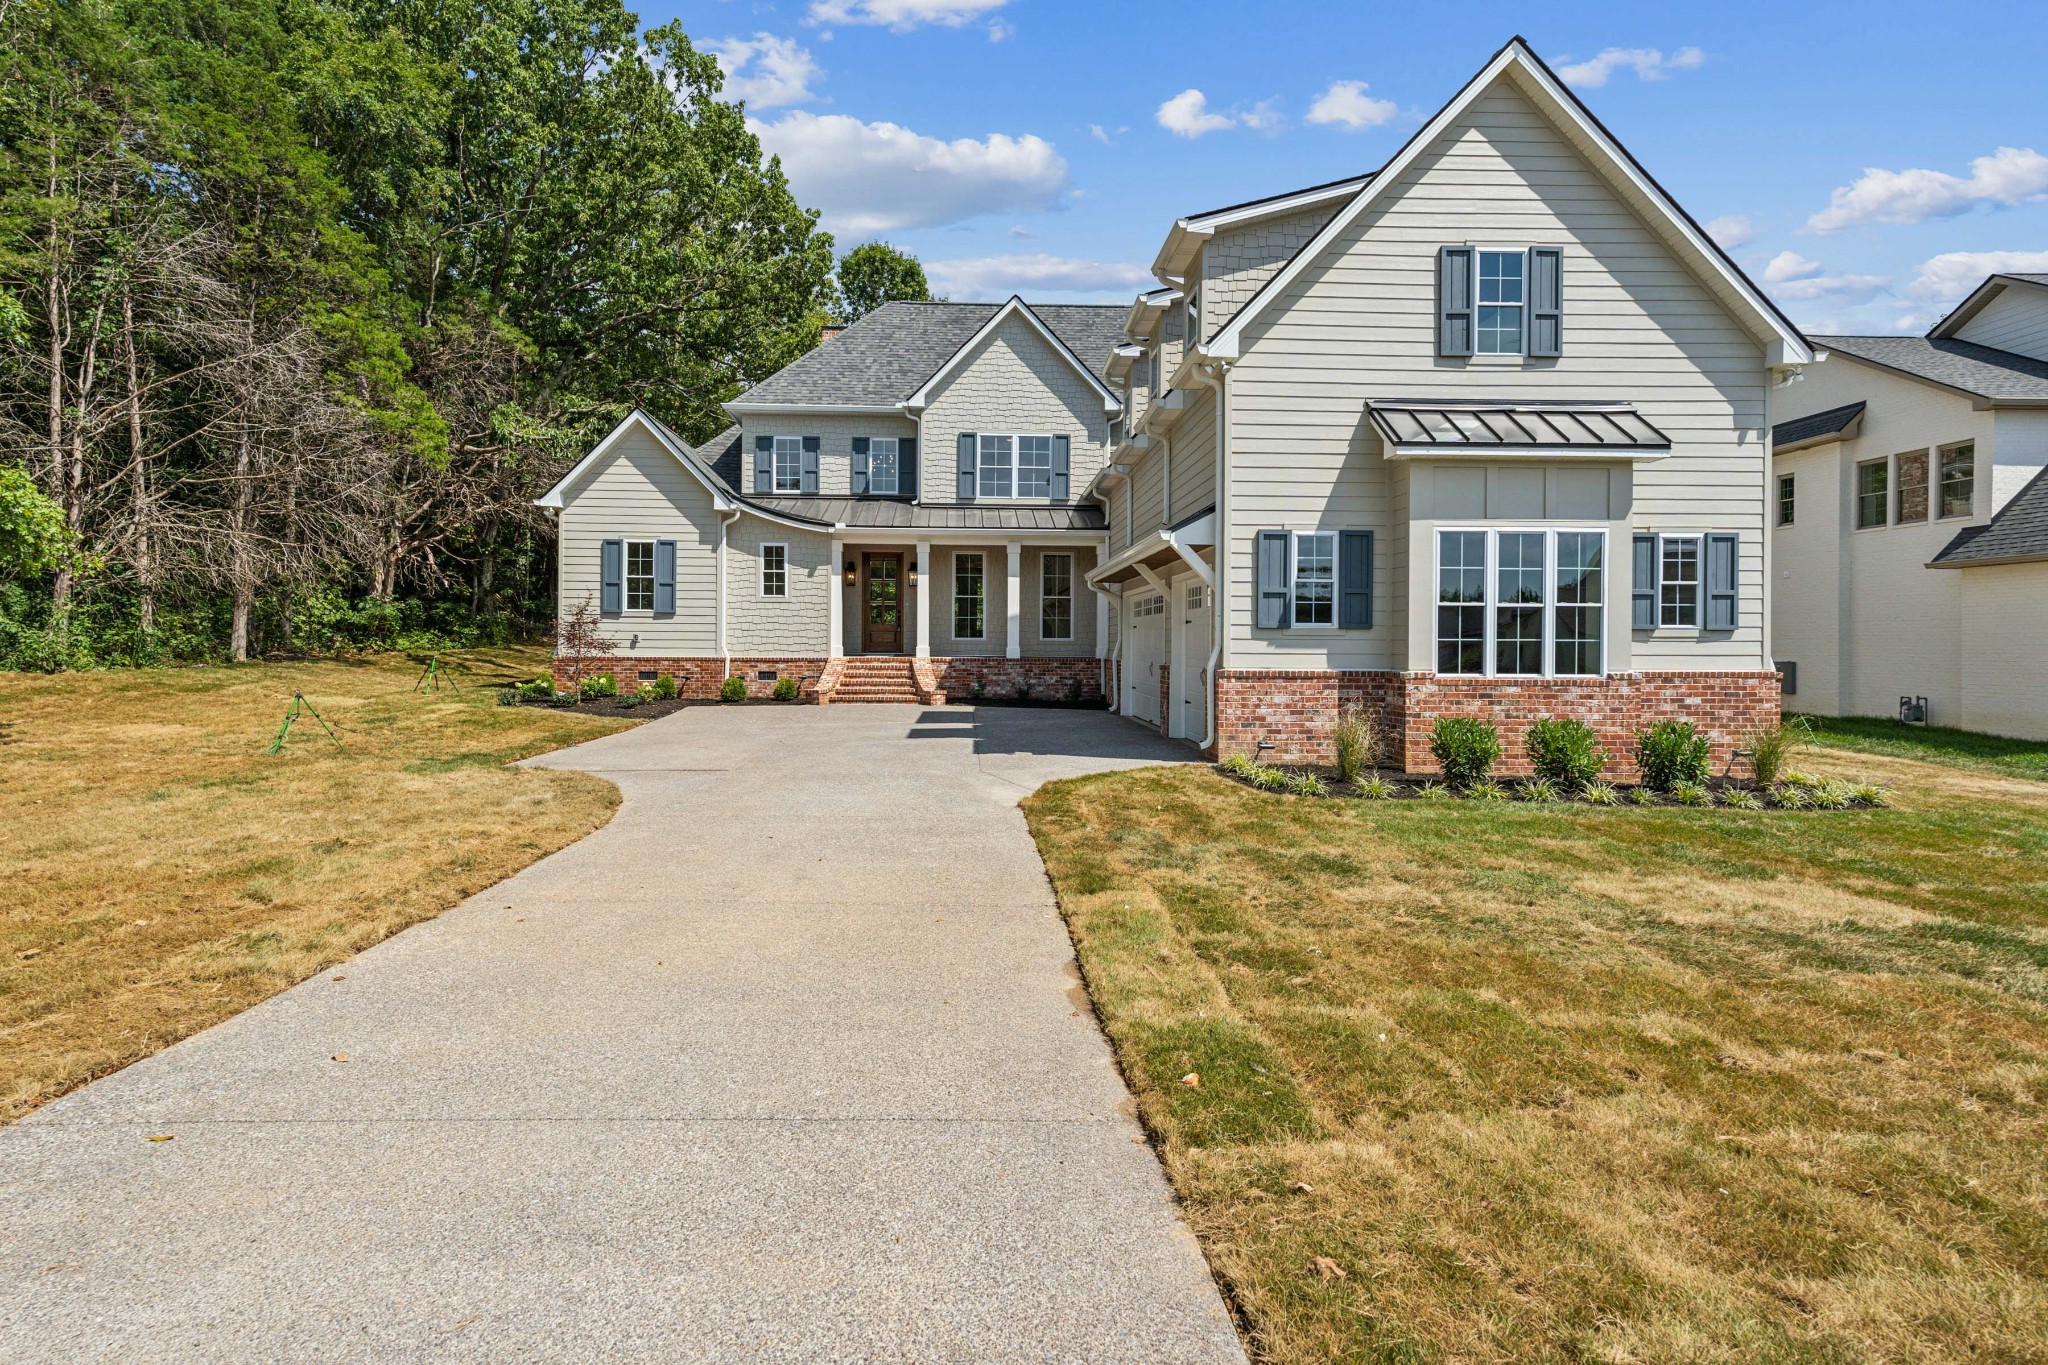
789,1062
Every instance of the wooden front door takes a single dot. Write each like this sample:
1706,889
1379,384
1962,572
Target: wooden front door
881,620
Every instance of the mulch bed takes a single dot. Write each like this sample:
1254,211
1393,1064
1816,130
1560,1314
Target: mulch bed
648,710
1409,787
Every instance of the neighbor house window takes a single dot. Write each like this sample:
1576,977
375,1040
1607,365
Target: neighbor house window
789,464
1678,582
1913,486
997,465
1501,299
1521,603
1958,479
1034,466
1056,597
968,601
882,465
1315,579
639,575
1152,374
1785,500
1873,493
774,571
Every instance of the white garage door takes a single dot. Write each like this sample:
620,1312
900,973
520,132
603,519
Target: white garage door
1144,651
1191,663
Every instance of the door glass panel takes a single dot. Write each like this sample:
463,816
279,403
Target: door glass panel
882,597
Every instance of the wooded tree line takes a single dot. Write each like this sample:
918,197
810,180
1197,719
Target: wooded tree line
302,302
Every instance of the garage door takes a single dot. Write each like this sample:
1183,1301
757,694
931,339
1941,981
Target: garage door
1191,663
1144,651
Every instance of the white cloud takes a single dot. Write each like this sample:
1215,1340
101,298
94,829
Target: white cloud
2010,175
1187,115
1792,276
905,15
1732,230
1346,103
1647,62
1106,136
765,71
1952,274
1264,116
999,29
869,178
998,277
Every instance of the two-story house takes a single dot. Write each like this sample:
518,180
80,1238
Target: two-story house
1484,431
1910,503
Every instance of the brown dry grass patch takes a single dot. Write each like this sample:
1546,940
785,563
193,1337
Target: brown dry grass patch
1508,1082
162,873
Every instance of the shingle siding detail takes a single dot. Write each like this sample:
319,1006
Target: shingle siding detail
799,623
1237,262
1015,383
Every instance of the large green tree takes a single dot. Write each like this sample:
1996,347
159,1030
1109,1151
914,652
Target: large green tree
876,273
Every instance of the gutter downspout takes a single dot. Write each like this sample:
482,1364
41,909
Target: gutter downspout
726,654
1218,619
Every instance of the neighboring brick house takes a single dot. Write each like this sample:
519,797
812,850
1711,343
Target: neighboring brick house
1910,502
1482,432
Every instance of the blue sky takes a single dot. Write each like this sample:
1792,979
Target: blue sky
1867,163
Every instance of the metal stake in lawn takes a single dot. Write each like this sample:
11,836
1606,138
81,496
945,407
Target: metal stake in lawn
430,675
299,703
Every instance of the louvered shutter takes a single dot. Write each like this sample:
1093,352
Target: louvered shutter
764,464
1272,580
1546,301
665,576
810,475
1354,580
965,479
1454,329
1643,598
612,577
1724,574
906,468
1062,461
860,466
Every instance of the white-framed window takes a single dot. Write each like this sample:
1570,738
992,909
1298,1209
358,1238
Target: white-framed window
1873,493
995,466
1787,503
1315,579
1503,295
1034,466
789,464
1155,605
1056,597
1198,597
1958,479
774,570
884,469
639,575
970,617
1521,602
1678,581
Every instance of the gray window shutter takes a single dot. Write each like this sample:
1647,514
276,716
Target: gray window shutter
1546,301
1354,580
612,576
906,468
1724,572
665,575
810,477
966,449
764,464
860,466
1272,582
1643,600
1062,462
1454,329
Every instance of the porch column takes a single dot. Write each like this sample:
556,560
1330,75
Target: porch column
1013,600
837,614
924,599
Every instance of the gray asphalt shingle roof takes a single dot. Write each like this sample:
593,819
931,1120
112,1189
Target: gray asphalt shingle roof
2019,531
1981,370
887,356
1833,422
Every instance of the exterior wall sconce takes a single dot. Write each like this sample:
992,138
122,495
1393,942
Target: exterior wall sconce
852,575
913,569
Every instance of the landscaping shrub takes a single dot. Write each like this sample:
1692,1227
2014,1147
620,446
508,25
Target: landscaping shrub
733,689
1434,791
665,688
541,688
1566,753
1790,796
1357,737
1375,788
631,699
1239,765
1739,799
1538,788
1486,789
1771,745
1307,784
1601,794
1691,794
1643,796
1270,779
600,685
1465,748
1871,794
1671,752
785,689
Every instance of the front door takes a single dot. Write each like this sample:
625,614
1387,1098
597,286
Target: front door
881,621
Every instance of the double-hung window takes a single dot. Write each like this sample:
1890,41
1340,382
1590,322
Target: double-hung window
1502,297
1787,504
639,575
969,601
1521,603
1315,579
883,466
774,570
1873,493
1958,479
997,466
1056,597
789,464
1678,581
1034,466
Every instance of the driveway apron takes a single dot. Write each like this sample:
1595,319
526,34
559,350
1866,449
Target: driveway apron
789,1062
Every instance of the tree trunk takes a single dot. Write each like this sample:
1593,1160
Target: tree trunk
53,312
138,471
241,568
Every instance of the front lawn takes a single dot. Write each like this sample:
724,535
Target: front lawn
163,872
1933,744
1449,1081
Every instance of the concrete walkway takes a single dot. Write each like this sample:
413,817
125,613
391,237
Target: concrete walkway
787,1063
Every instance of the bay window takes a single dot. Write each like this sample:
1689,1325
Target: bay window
1518,602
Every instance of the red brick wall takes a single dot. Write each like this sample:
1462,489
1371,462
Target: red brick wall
699,678
1296,711
1165,695
1049,679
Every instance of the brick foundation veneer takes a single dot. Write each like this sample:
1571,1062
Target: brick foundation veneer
953,677
699,678
1296,711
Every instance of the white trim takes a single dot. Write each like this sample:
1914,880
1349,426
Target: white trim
1490,605
740,406
626,544
765,547
1522,308
1766,325
1013,605
924,578
1016,307
1699,581
953,595
895,472
1043,597
775,488
1293,572
1573,454
1187,235
835,614
1016,440
554,497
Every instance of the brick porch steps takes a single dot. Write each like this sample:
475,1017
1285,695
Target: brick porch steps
870,678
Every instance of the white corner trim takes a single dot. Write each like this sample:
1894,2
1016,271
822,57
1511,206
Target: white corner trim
1016,307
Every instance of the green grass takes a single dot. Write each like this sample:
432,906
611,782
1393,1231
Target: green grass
1490,1082
1931,744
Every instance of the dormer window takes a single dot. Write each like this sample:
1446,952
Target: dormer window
789,464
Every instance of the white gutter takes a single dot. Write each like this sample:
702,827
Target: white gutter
1217,376
726,654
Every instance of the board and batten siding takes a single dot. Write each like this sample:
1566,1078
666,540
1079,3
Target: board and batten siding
1359,324
835,433
2017,320
640,491
1013,383
799,623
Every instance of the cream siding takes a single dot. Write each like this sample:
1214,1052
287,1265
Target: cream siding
835,433
1148,490
640,491
2017,320
2004,639
1014,383
1193,482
